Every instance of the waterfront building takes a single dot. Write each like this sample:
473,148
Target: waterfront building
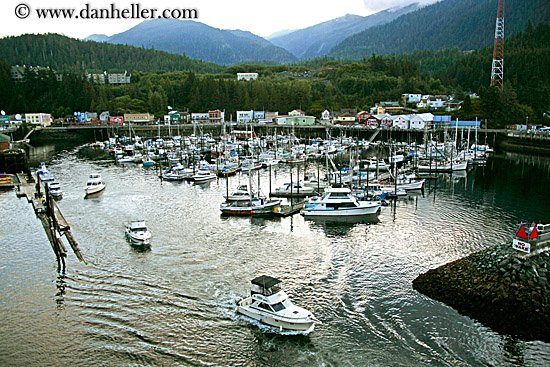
300,120
116,120
401,121
362,117
104,116
216,116
138,118
270,116
325,117
39,119
296,112
245,116
199,117
259,115
346,118
421,121
247,76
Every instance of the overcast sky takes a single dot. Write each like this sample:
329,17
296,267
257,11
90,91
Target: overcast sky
260,17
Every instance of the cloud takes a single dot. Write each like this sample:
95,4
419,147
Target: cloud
377,5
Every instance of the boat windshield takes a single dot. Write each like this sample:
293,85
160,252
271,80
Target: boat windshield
278,307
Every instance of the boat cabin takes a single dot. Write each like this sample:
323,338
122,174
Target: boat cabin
265,285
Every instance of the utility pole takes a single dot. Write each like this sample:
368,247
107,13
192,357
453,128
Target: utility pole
497,71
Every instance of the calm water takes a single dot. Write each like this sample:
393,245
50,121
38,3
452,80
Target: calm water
173,305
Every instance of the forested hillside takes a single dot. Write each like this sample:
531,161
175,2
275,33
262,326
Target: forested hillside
465,24
64,53
313,86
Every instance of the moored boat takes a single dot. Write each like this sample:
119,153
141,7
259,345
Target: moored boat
270,305
43,174
340,202
259,206
54,189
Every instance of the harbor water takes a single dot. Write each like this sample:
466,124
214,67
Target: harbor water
174,303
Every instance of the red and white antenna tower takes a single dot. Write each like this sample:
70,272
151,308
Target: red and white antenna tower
497,71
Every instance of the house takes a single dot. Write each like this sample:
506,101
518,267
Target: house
138,118
199,117
104,116
401,121
118,77
300,120
432,102
270,116
453,105
216,116
173,117
39,119
421,121
385,119
259,115
245,116
116,120
247,76
325,116
373,121
362,117
407,98
344,119
281,119
297,112
391,107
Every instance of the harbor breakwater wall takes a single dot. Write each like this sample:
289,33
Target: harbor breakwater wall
502,290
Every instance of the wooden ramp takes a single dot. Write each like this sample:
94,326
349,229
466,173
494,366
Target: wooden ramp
46,209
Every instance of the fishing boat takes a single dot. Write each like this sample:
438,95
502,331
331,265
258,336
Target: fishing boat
55,189
176,172
443,166
339,202
270,305
94,184
137,233
43,174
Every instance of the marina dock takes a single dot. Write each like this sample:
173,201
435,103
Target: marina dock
46,209
288,210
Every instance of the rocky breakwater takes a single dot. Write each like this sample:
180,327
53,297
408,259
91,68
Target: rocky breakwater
497,286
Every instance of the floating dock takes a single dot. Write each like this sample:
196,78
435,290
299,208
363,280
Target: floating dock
287,210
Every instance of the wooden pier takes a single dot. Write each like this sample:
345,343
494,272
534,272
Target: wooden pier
287,210
46,209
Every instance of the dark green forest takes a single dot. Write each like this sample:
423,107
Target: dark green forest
313,86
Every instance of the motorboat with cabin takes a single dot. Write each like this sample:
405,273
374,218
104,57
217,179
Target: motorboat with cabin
270,305
256,206
137,233
43,174
94,184
340,202
54,189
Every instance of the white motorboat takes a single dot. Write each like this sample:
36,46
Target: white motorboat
137,233
270,305
204,174
94,184
443,166
55,189
339,202
258,206
43,174
295,188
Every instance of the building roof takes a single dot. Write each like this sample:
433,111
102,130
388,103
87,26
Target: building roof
265,281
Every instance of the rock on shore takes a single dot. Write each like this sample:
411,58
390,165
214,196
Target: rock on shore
497,287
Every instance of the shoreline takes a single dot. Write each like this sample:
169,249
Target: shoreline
509,294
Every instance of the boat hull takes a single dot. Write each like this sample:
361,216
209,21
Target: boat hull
344,212
94,190
272,320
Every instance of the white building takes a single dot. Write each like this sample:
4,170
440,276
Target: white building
42,119
325,116
297,112
245,116
421,121
411,97
247,76
118,77
401,121
199,117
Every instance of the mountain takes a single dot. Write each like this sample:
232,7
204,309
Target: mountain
63,53
317,40
97,38
466,24
200,41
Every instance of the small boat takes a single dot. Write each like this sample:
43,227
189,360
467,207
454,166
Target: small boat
270,305
176,172
294,188
259,206
148,162
240,194
55,189
340,202
43,174
137,233
204,174
94,184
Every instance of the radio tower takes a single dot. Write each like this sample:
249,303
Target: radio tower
497,71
